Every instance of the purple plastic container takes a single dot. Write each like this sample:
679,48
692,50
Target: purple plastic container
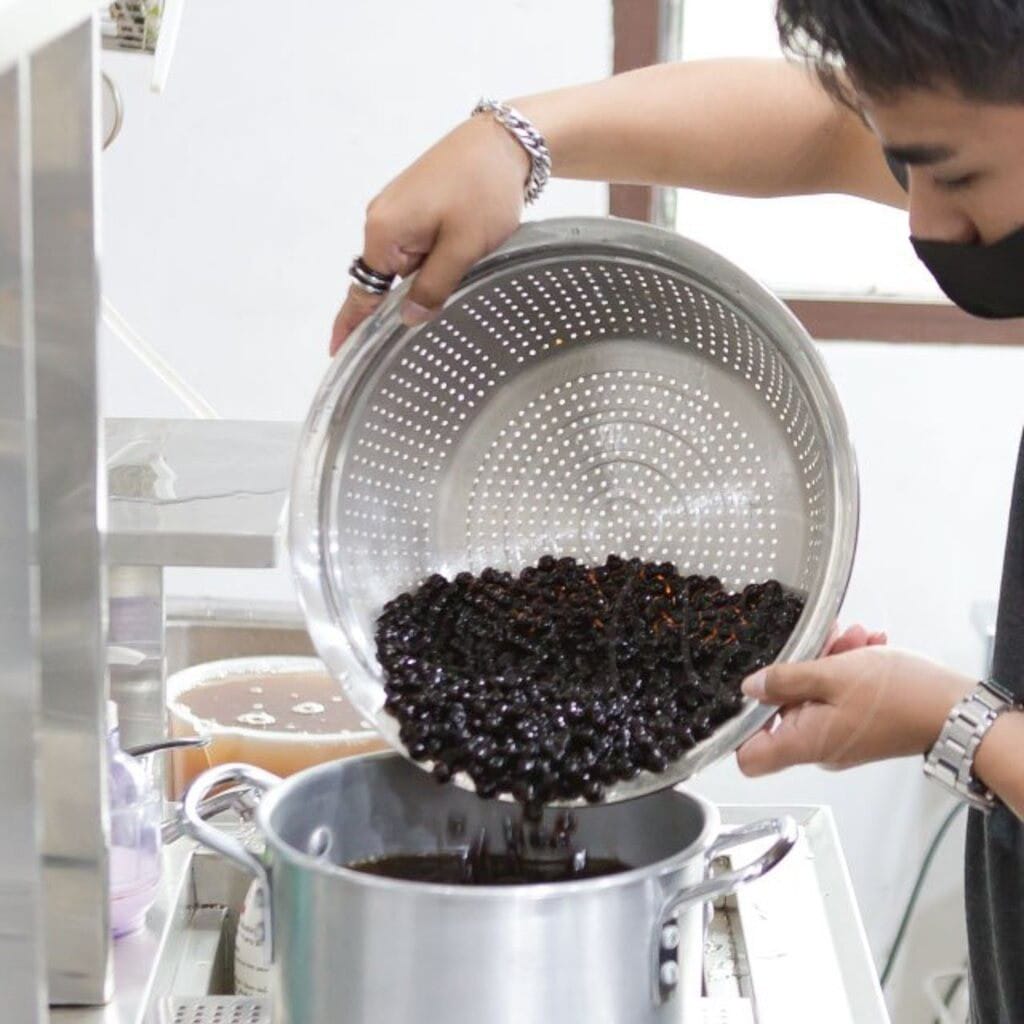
135,814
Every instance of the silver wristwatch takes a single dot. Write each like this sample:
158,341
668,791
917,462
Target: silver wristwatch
523,131
950,762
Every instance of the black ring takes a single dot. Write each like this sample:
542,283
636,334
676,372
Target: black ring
370,276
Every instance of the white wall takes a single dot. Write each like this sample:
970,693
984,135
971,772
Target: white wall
865,250
234,201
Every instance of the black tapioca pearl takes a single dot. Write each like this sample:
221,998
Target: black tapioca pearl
732,701
691,699
554,744
685,735
671,745
662,723
655,760
701,724
409,734
534,810
524,792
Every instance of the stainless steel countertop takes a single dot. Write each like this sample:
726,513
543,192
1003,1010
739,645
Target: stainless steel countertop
137,957
807,957
197,492
804,956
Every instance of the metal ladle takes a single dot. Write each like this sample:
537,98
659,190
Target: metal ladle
142,749
239,798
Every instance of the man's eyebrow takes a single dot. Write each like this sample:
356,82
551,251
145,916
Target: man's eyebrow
918,156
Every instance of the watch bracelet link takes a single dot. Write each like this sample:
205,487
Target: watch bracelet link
950,761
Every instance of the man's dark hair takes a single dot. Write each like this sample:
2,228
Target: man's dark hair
885,46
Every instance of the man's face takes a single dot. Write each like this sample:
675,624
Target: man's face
965,160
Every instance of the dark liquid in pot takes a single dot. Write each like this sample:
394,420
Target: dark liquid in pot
483,868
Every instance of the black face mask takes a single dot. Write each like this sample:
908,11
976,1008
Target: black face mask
985,280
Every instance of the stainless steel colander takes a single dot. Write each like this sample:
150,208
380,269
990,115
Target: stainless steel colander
596,386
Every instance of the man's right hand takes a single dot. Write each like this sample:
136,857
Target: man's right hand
454,205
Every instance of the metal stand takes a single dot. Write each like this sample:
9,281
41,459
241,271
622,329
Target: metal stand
53,699
199,494
21,942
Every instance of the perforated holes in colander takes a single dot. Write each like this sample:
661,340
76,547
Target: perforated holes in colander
429,397
624,461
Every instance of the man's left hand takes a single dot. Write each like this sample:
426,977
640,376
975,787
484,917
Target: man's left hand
865,704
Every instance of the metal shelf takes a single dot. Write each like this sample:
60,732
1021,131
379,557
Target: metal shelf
197,492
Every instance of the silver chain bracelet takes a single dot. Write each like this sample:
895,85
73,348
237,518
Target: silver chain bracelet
529,138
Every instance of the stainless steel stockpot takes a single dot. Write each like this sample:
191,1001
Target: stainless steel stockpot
363,949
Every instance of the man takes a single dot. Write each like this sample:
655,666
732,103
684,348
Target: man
914,103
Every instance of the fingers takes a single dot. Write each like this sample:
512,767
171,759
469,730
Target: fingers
440,267
853,638
358,305
799,738
833,636
386,250
456,249
790,683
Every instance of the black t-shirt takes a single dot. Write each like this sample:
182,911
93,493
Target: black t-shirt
994,861
994,854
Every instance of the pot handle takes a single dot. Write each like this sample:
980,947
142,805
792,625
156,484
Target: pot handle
235,798
192,811
783,830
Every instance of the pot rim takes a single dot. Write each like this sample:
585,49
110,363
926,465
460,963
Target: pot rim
539,891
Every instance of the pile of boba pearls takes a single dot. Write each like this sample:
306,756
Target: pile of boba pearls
564,679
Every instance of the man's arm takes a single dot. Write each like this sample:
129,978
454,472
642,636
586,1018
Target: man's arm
741,127
871,704
747,127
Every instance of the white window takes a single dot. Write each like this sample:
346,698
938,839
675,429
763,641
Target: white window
805,246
